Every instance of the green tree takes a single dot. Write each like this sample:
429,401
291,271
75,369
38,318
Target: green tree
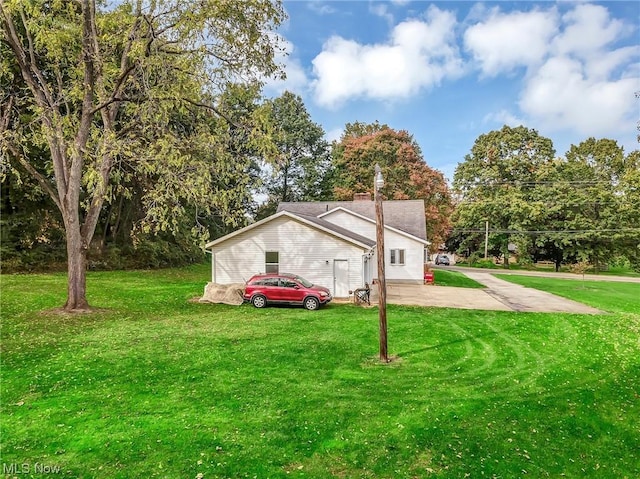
593,207
31,232
301,165
407,176
629,189
103,87
495,181
226,161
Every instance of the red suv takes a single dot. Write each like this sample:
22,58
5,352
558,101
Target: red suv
263,289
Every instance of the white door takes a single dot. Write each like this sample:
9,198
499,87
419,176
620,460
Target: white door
341,278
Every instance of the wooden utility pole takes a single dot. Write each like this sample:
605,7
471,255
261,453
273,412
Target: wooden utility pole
382,285
486,239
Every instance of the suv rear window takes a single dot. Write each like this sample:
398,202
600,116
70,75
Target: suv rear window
266,282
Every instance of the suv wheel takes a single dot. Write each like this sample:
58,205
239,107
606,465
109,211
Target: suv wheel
311,303
259,301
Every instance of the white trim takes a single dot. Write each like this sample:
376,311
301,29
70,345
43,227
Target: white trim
400,260
292,216
213,266
390,228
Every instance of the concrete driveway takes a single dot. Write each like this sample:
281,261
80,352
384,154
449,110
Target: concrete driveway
498,295
440,296
520,298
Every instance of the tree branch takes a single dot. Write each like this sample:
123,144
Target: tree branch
215,110
39,177
35,81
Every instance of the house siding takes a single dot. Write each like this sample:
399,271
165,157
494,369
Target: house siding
411,271
413,267
240,257
352,222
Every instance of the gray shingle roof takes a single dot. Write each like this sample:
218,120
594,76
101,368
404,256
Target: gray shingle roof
404,215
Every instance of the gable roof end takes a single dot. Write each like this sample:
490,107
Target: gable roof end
403,215
313,222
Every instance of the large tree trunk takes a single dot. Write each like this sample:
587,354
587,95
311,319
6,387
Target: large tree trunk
77,275
505,255
76,262
558,262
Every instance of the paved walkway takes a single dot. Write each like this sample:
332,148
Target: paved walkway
544,274
440,296
497,295
520,298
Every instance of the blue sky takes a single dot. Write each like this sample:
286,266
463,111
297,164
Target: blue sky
448,72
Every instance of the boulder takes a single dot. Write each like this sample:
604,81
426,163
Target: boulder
223,293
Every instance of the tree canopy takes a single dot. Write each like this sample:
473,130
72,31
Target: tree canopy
494,179
406,174
582,206
300,166
96,91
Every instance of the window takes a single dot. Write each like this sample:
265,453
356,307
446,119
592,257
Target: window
288,283
397,256
272,262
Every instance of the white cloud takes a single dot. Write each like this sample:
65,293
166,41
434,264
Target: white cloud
585,84
505,41
321,8
504,117
560,96
575,78
296,80
577,72
418,55
588,29
380,9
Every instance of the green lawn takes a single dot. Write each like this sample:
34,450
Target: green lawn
454,278
605,295
157,386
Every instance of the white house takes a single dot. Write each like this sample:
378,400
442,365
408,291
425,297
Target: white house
330,243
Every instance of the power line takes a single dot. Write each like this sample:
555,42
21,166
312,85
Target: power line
548,203
562,182
530,183
607,230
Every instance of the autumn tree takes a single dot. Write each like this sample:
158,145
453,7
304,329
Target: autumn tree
406,174
494,184
106,85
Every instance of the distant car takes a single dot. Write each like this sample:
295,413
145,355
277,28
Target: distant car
443,259
283,288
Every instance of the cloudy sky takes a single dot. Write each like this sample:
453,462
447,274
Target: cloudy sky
448,72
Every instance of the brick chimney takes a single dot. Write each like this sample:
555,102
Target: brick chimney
362,197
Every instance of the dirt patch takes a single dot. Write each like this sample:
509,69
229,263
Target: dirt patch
74,312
